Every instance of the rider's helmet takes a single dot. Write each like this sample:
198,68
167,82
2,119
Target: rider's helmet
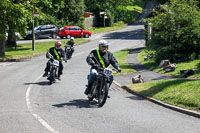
103,43
58,44
72,38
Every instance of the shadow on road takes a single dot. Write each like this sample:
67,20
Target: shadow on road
135,50
42,83
126,35
135,98
78,103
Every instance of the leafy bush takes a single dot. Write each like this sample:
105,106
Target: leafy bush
176,32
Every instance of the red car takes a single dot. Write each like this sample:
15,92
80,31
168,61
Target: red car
75,31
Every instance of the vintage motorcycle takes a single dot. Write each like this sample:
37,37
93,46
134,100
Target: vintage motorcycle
54,65
100,86
68,51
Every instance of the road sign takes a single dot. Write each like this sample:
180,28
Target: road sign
35,14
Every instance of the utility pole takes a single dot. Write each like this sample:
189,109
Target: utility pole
104,19
33,32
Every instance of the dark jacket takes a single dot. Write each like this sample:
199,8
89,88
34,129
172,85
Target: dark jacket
60,51
70,43
107,58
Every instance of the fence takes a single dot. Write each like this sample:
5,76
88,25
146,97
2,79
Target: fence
90,22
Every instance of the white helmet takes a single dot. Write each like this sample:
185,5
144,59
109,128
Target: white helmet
72,38
103,43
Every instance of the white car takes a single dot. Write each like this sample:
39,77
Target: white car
16,34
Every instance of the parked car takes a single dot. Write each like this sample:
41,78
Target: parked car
43,31
75,31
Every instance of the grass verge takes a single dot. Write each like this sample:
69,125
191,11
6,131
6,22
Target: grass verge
121,58
151,64
184,93
116,26
179,92
25,50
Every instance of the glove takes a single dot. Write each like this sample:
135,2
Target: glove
47,55
119,70
65,60
94,65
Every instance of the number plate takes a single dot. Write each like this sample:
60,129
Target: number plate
107,71
56,62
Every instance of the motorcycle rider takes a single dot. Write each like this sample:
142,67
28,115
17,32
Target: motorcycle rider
57,52
71,43
102,57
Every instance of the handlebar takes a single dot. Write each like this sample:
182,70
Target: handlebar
50,56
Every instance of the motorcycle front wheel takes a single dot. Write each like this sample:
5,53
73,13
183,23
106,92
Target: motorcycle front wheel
91,94
52,76
102,95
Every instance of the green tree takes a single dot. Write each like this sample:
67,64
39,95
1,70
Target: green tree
13,15
176,32
108,6
16,15
71,13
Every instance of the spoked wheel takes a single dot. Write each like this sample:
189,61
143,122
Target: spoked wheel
91,94
52,76
102,95
67,53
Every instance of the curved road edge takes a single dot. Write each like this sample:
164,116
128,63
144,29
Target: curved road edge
169,106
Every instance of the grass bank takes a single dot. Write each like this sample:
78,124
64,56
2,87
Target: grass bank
121,58
25,50
152,65
116,26
184,93
179,92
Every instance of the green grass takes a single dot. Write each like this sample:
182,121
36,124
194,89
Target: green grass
151,64
25,50
179,92
133,10
116,26
121,58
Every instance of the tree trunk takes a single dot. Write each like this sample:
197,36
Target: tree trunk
2,42
11,39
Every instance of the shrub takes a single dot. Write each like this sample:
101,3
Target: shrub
176,32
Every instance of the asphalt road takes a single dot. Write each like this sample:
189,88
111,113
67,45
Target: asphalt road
29,105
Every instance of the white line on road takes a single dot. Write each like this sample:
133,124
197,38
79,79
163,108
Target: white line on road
6,64
36,116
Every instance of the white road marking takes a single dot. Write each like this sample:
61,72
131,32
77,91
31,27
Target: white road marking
6,63
36,116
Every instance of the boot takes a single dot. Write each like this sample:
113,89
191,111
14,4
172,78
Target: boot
88,89
45,74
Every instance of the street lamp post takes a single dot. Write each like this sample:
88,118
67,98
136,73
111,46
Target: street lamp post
33,32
